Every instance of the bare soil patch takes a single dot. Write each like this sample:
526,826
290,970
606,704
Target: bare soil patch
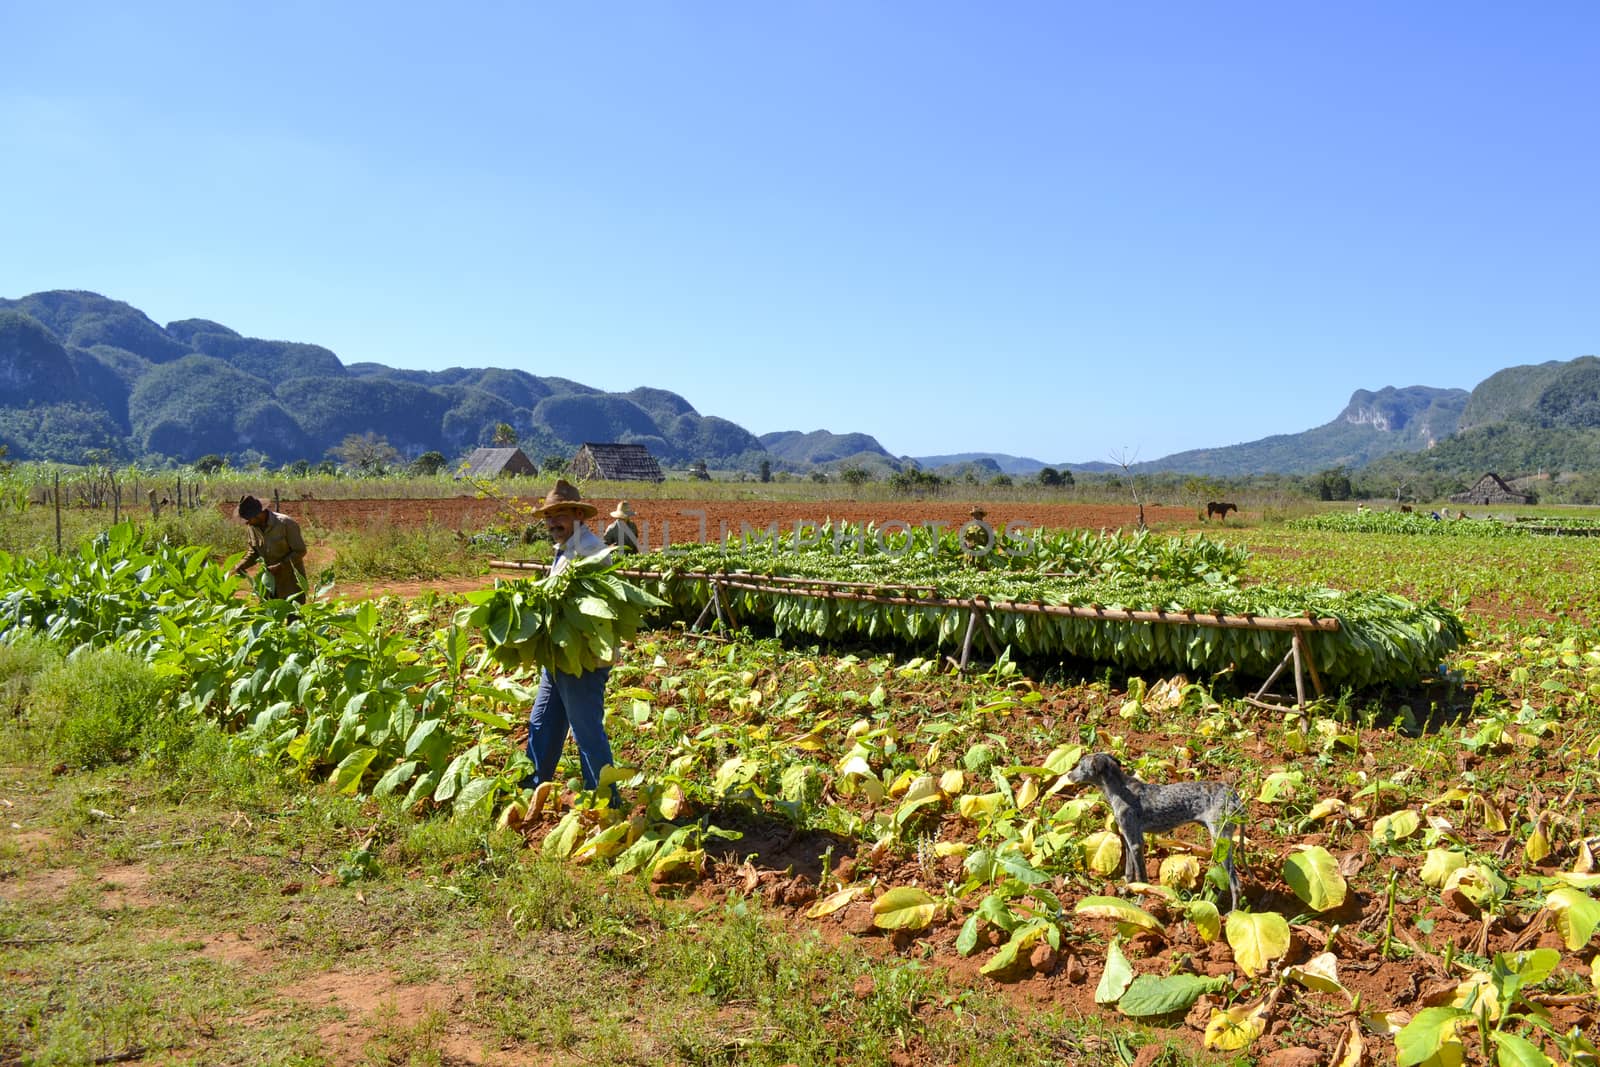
687,520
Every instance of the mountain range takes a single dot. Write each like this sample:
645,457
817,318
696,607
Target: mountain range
80,371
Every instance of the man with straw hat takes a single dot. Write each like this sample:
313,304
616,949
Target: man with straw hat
276,541
622,532
568,701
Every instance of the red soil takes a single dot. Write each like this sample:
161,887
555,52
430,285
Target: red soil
666,520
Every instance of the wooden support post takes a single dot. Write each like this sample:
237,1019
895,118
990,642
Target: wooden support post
58,512
1311,662
1273,677
1299,675
966,642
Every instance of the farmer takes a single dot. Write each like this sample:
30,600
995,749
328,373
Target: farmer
276,541
575,701
623,531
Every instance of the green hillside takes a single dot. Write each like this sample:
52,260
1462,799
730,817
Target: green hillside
81,371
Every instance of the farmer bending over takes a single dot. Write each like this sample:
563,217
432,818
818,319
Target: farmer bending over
575,701
276,541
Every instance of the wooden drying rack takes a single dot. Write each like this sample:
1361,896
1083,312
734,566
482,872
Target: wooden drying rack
1298,657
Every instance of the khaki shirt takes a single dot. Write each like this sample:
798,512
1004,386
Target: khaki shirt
276,543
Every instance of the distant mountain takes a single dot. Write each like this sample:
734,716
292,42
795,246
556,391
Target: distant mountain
1519,420
1371,425
80,371
1014,465
819,447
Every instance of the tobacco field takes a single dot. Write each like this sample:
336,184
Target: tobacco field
1419,870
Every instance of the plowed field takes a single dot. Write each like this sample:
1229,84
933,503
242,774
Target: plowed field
676,520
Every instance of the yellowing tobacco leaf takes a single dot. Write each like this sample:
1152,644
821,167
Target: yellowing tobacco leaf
833,902
1102,852
1577,915
1027,793
1280,785
1440,864
905,907
1476,993
1320,973
1537,847
1207,920
978,807
1063,759
952,782
1325,809
1354,1048
1387,829
1313,874
1474,885
1257,939
1236,1027
1180,872
1123,913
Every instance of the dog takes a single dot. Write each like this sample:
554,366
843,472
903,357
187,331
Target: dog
1141,808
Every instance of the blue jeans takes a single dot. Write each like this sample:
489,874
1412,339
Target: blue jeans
575,701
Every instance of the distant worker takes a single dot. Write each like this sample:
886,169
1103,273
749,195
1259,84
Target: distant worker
568,701
623,531
275,541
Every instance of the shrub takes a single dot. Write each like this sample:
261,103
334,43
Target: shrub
97,708
23,658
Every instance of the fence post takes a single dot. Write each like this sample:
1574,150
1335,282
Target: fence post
58,513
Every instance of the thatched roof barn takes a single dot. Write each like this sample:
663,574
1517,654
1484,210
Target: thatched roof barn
498,463
615,463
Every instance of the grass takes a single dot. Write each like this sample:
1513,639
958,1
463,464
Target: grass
196,909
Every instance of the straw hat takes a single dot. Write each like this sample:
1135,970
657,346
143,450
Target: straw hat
564,497
623,510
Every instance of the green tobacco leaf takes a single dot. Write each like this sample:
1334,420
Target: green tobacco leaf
1518,1051
904,908
474,795
397,776
1115,978
1313,874
1152,995
346,777
967,940
1429,1039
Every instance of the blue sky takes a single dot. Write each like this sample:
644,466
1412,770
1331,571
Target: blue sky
1049,229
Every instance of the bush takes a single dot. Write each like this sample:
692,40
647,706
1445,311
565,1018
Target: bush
97,708
22,659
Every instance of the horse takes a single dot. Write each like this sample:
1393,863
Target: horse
1219,509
